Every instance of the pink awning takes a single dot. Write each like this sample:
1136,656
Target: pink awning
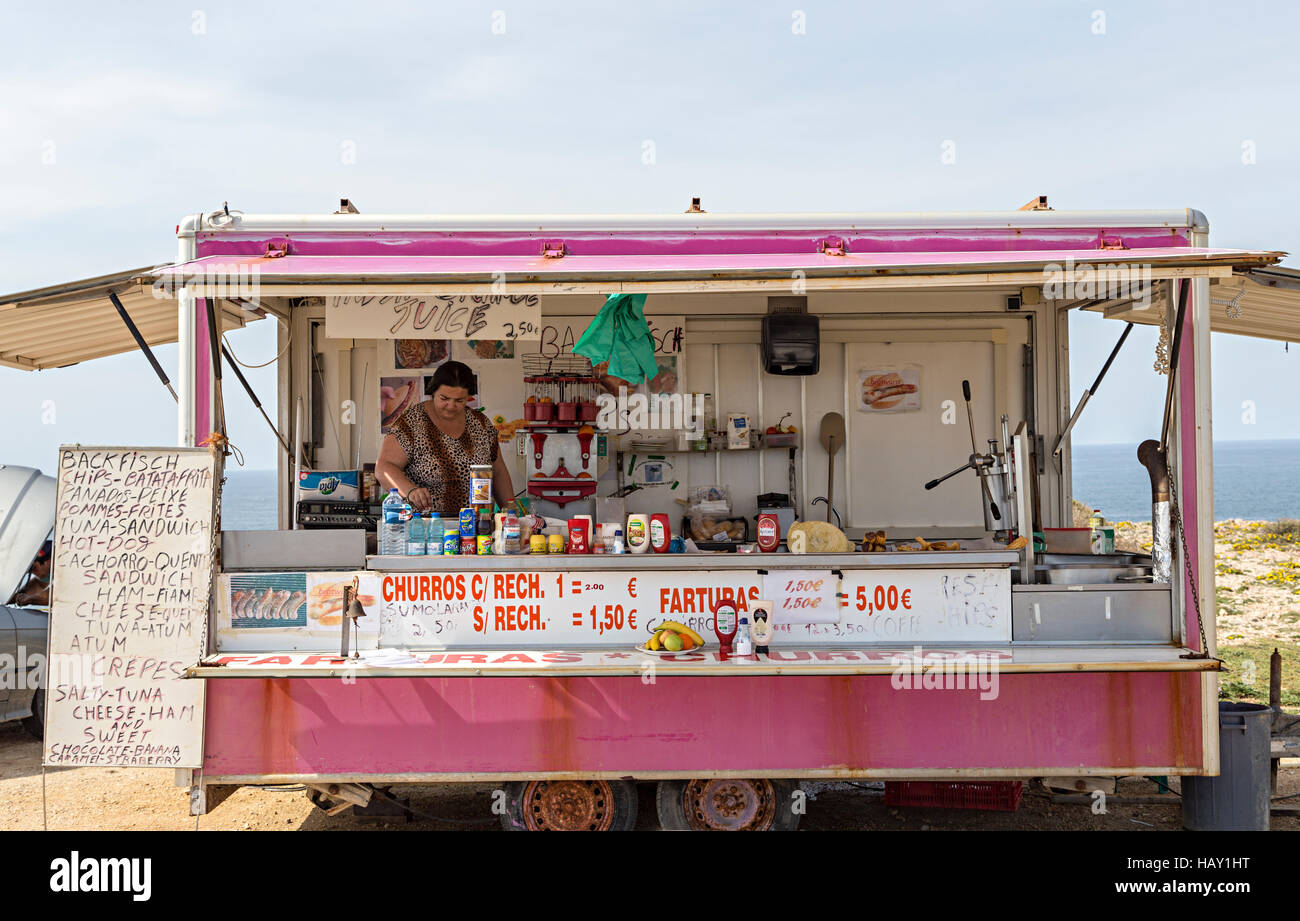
306,275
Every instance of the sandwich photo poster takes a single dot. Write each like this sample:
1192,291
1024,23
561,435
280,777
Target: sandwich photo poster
254,616
889,390
398,394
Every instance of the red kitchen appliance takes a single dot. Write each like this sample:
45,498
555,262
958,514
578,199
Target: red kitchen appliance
561,403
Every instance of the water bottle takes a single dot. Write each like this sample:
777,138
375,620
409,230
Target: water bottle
416,544
392,531
433,534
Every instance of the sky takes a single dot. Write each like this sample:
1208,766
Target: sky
118,119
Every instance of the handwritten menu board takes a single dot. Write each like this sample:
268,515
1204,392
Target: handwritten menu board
133,538
434,316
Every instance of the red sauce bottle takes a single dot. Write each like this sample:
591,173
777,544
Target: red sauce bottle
661,532
769,533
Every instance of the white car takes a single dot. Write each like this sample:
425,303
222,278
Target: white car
26,517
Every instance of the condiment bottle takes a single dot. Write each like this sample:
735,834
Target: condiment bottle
618,541
638,533
769,532
510,532
661,532
743,643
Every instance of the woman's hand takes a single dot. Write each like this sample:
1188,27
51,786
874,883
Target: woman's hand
420,499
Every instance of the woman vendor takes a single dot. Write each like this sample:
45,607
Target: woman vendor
429,449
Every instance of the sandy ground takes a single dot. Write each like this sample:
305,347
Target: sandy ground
146,800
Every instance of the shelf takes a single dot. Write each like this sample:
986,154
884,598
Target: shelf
630,450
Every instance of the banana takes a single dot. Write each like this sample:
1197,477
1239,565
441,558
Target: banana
682,628
653,644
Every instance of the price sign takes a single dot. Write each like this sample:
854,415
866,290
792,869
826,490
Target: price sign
803,596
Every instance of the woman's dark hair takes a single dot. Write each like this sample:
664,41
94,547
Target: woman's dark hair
452,374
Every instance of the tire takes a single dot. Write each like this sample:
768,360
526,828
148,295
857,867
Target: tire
737,805
570,805
35,724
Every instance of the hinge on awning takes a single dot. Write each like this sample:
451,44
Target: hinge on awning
276,248
832,246
554,249
1105,242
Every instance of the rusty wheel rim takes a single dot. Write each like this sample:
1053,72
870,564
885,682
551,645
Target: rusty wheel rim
729,805
568,805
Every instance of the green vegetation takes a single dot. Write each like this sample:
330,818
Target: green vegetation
1260,535
1286,575
1284,529
1233,684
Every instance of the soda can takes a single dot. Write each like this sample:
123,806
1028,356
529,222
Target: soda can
450,544
484,544
467,545
468,520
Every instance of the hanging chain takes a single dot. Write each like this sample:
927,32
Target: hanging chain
1161,365
1175,511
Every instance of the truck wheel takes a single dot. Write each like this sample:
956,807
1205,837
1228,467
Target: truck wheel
726,805
570,805
35,724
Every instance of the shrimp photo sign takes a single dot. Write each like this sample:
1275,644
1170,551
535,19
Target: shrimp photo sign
133,539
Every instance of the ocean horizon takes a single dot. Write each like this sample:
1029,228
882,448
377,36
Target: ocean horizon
1254,480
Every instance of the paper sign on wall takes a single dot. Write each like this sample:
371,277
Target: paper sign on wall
133,537
802,596
434,316
893,390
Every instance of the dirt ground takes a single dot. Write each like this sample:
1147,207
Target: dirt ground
146,800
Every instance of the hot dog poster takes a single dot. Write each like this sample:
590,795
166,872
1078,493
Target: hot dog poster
889,390
268,600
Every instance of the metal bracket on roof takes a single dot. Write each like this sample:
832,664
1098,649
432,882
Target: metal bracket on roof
832,246
276,248
554,249
1105,242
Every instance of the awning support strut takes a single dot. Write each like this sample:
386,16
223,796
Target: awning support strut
144,346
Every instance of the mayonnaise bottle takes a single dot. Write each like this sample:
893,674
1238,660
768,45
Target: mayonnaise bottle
638,533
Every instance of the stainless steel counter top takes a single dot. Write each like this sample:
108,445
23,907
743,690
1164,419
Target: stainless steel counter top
600,562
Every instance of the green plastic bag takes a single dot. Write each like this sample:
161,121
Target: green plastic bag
620,335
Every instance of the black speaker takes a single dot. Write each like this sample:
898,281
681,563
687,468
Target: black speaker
791,343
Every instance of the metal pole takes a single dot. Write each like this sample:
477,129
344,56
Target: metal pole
1088,394
1184,289
144,346
253,396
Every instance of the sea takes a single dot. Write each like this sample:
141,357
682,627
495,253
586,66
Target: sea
1255,480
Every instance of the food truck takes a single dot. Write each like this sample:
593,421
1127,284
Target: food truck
887,412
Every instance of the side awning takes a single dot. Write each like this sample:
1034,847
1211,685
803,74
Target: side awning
1262,302
73,322
281,274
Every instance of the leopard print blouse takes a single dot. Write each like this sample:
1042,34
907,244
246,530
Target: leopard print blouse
439,463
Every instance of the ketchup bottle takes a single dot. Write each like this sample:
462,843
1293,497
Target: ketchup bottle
769,532
661,532
725,637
